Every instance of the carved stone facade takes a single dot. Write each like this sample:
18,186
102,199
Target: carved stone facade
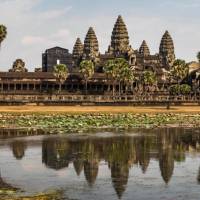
18,66
144,49
77,52
53,56
166,51
139,59
91,46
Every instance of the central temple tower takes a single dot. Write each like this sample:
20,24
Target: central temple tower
119,39
120,42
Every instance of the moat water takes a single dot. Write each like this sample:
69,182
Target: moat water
148,164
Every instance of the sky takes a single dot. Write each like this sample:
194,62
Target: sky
36,25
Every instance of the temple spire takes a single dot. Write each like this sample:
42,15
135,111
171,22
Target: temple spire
144,49
166,50
119,38
91,46
78,49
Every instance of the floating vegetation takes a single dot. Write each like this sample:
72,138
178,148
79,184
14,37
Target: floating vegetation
49,196
83,122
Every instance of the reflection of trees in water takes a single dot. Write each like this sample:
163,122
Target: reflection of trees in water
18,148
55,153
121,153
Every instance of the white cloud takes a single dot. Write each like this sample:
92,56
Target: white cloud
48,40
31,31
32,40
53,14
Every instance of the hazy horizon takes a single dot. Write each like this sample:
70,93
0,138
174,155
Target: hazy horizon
36,25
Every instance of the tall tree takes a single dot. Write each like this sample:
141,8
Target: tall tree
198,56
87,69
3,33
113,68
149,78
127,76
179,71
61,73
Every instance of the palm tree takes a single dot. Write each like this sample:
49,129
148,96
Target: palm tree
127,76
149,78
3,33
87,69
61,73
179,71
198,56
113,70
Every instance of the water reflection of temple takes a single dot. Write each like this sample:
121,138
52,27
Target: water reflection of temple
18,148
120,153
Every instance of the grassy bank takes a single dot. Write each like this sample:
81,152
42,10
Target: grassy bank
84,122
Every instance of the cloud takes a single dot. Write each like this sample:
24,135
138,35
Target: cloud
48,40
32,28
32,40
53,14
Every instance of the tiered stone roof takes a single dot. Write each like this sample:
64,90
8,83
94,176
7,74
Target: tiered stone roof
167,44
78,49
119,38
91,46
144,49
166,50
18,66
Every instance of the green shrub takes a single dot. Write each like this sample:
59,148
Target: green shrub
174,89
183,89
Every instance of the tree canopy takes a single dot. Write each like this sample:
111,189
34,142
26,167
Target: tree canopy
3,33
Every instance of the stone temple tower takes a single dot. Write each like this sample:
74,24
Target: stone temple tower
77,51
91,46
166,51
144,49
119,39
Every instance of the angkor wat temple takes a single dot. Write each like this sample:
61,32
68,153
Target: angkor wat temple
119,47
42,82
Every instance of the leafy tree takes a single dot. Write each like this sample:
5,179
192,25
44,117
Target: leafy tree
174,89
149,78
111,68
116,70
61,73
198,56
183,89
3,33
127,76
87,69
179,71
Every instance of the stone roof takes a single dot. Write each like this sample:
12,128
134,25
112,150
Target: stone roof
78,48
119,38
166,44
91,46
144,49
